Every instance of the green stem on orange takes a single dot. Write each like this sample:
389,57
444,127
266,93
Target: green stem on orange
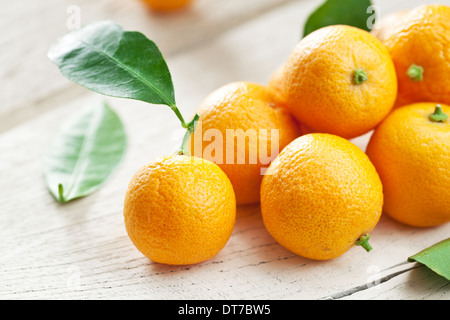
364,242
438,115
184,149
360,76
190,127
415,72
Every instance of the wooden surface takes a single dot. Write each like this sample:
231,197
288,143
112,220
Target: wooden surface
80,250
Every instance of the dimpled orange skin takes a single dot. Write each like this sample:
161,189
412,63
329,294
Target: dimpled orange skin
319,86
179,210
166,5
420,36
320,196
249,107
412,156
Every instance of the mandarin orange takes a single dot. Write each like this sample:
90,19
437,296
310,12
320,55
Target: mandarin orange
242,128
321,196
339,80
418,41
411,152
166,5
179,210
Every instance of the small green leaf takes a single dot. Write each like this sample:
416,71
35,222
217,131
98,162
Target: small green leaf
108,60
436,257
85,153
356,13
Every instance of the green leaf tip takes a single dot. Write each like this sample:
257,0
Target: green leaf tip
415,73
364,242
360,76
438,115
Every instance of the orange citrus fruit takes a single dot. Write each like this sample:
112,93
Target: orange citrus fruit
339,80
243,127
321,196
418,41
276,80
179,210
411,151
166,5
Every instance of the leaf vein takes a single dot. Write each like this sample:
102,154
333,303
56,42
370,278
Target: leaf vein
135,75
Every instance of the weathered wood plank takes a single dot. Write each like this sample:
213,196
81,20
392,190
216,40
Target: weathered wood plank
28,80
416,282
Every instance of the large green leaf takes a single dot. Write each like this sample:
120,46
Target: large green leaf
85,153
349,12
108,60
436,257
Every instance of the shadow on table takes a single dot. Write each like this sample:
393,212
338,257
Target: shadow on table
250,247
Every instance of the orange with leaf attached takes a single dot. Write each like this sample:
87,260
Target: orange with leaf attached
179,210
245,117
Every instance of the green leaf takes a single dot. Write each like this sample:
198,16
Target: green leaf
436,257
85,153
108,60
354,13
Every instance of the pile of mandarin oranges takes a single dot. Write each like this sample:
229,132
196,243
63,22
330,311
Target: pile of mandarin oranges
320,195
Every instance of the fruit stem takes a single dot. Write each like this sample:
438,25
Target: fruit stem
190,127
364,242
184,150
438,115
415,73
360,76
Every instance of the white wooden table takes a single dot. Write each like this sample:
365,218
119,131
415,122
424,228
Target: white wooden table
80,250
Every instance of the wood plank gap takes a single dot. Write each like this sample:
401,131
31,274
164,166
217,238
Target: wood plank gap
366,286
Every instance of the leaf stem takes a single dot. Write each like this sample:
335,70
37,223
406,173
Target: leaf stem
438,115
61,193
184,149
190,127
364,242
177,112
